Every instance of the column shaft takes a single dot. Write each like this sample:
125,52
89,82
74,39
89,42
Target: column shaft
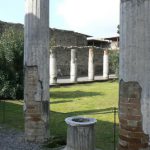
53,67
73,66
134,95
91,65
36,67
106,65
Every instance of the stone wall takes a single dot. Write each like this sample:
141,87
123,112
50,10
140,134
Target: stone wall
67,38
57,37
4,26
63,56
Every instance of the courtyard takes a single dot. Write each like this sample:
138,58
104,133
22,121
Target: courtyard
95,100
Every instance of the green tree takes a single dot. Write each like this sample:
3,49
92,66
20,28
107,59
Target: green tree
114,62
11,64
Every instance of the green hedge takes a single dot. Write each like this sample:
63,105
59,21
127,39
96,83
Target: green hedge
114,62
11,64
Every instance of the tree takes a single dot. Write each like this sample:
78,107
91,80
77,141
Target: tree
11,64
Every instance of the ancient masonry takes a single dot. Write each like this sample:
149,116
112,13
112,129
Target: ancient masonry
134,98
36,65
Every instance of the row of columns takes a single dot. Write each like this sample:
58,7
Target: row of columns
73,66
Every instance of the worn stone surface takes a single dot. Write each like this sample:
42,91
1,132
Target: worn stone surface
36,68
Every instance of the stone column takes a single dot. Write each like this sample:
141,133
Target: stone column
91,65
73,66
36,69
53,67
105,65
134,98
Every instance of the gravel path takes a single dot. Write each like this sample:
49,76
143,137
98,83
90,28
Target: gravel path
13,140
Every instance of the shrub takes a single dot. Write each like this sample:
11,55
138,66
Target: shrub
114,62
11,64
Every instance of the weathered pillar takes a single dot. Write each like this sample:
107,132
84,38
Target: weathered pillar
73,66
91,65
53,67
36,68
134,98
105,65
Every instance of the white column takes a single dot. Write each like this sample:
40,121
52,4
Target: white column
105,65
91,65
134,91
73,66
36,67
53,67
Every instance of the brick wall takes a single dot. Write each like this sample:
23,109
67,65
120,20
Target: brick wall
131,135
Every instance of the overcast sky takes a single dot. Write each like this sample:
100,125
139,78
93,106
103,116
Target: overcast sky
98,18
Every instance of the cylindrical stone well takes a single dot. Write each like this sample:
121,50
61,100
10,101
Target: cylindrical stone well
80,133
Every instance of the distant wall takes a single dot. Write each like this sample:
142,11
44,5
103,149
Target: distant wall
58,37
67,38
63,56
4,26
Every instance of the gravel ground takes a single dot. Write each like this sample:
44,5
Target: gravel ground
13,140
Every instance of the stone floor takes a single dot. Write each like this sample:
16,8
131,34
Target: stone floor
63,148
66,80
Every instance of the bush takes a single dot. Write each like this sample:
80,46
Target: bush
11,64
114,62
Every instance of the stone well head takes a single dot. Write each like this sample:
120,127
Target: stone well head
80,121
80,133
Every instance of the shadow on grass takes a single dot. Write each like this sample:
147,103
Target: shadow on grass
104,129
58,102
73,94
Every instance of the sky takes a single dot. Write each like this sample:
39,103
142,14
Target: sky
98,18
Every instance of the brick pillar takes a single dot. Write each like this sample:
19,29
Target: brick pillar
134,97
91,65
106,65
73,66
53,67
36,68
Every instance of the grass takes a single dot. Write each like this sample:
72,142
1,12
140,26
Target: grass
92,100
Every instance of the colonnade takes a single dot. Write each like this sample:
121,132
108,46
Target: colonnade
73,65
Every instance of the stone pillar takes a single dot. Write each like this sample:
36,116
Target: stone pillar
36,69
53,67
91,65
134,98
105,65
73,66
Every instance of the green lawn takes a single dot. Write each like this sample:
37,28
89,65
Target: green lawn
92,100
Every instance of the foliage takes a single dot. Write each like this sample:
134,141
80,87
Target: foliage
114,62
11,64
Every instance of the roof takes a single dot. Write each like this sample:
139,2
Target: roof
115,38
97,40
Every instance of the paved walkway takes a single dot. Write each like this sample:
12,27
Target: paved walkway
66,81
